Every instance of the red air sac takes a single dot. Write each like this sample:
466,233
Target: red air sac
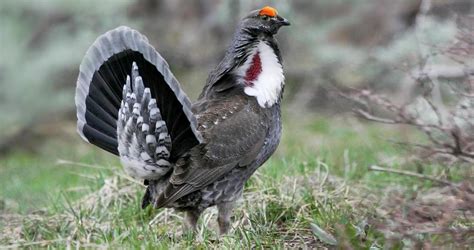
254,70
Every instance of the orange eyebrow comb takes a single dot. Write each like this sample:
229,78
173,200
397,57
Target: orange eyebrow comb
268,11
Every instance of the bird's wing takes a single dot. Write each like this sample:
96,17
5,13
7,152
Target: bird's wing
233,141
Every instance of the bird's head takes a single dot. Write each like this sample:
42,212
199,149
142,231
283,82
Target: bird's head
263,21
252,60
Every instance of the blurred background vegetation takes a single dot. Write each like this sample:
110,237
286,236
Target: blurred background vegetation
332,44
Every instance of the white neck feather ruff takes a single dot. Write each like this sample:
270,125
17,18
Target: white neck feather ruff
267,85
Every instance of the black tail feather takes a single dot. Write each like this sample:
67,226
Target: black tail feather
100,139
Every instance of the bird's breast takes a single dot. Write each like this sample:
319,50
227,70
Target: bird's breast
262,75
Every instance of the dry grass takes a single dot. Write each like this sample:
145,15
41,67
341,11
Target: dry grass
328,201
270,214
437,216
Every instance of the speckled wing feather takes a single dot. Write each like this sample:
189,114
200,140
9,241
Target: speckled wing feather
235,134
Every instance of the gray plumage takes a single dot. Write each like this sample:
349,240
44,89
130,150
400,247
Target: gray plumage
190,156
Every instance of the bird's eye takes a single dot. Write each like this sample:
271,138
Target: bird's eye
264,17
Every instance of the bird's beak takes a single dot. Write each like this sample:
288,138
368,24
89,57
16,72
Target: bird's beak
282,21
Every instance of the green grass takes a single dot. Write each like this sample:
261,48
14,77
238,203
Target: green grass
31,181
319,175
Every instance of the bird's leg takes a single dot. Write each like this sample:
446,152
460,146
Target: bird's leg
191,219
223,217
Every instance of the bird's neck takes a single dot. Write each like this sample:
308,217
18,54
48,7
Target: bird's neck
252,63
261,73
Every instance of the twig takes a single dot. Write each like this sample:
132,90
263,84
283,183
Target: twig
41,242
90,177
157,217
370,117
407,173
128,178
80,164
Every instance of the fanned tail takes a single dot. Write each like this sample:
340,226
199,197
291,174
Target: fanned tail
148,122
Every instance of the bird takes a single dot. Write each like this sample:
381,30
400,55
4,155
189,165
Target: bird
190,156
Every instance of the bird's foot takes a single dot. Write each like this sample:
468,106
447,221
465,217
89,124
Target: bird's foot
223,217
